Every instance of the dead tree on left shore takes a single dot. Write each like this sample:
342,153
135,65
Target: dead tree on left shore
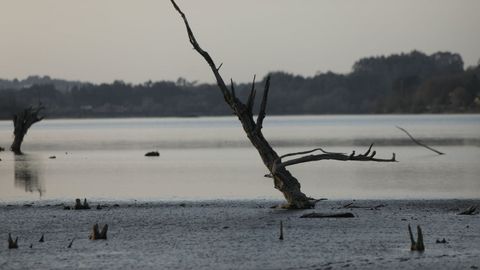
22,121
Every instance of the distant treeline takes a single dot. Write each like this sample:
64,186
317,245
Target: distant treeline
400,83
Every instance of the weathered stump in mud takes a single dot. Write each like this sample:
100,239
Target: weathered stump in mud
22,121
12,243
99,234
416,245
80,206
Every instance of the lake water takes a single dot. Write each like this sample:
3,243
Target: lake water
210,158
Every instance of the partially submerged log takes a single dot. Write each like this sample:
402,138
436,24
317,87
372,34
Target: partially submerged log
97,234
416,245
420,143
283,180
12,243
22,121
353,206
469,211
327,215
80,206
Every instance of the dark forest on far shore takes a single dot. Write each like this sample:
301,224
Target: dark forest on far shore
400,83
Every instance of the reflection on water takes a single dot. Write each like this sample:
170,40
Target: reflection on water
28,174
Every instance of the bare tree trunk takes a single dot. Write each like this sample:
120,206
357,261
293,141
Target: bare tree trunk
283,180
22,121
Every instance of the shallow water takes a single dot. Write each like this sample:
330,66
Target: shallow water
210,158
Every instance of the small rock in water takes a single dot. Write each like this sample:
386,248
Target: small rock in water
152,154
2,149
52,157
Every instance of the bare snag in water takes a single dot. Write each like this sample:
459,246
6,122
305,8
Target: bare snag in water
98,234
42,239
283,180
12,244
416,245
418,142
22,121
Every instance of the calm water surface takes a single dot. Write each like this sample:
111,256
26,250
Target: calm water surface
210,158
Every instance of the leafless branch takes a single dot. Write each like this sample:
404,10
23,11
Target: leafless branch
419,143
251,97
263,105
221,84
308,152
331,156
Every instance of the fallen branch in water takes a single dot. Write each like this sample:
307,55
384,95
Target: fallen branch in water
419,143
328,215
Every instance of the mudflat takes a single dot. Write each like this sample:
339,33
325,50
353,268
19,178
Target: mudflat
240,235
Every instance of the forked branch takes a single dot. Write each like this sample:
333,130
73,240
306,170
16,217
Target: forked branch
330,156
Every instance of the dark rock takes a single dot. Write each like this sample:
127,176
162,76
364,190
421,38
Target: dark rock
152,154
443,241
52,157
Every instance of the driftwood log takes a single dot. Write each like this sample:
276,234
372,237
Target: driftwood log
327,215
416,245
469,211
283,180
22,121
99,234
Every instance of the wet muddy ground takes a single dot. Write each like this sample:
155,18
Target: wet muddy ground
240,235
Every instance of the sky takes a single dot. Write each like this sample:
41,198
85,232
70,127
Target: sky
141,40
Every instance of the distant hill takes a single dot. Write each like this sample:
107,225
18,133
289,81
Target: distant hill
61,85
401,83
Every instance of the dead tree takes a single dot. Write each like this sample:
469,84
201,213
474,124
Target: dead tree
22,121
284,181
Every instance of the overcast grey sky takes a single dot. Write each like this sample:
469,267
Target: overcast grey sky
104,40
